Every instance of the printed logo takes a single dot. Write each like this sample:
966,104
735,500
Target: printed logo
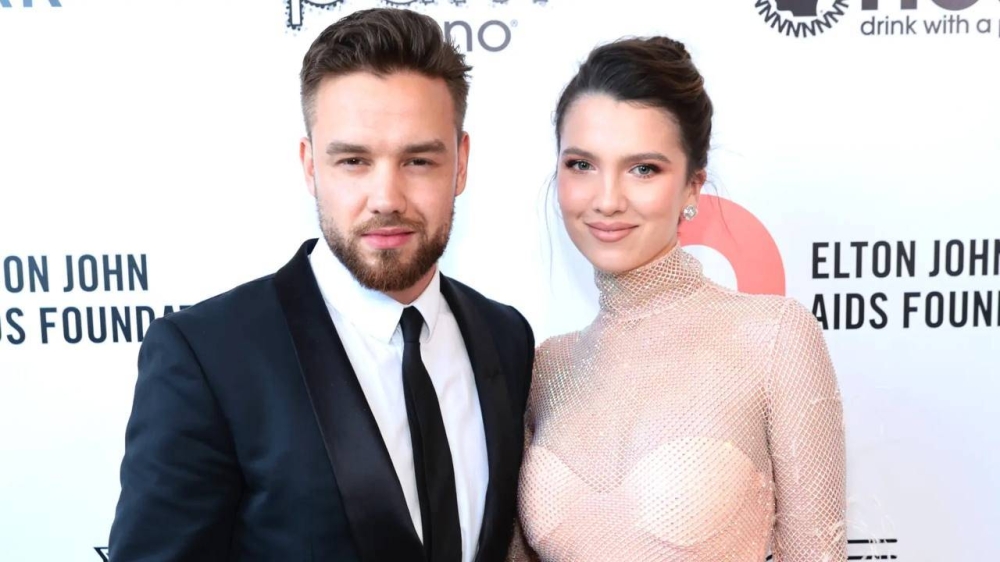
28,3
492,36
102,551
865,549
801,18
295,9
953,5
945,18
742,239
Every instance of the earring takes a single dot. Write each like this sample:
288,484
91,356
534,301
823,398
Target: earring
690,212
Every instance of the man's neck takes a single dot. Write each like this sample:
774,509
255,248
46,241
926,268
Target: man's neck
410,294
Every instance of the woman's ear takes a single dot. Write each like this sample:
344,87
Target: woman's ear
694,186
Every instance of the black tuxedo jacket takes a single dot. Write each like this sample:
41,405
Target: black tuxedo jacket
251,439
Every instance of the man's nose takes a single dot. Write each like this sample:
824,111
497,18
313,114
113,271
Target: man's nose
387,194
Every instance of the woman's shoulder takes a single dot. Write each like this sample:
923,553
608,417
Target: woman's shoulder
556,356
556,350
777,329
723,302
765,320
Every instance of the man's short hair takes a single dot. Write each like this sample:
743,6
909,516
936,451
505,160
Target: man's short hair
383,41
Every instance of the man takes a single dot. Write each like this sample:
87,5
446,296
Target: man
357,404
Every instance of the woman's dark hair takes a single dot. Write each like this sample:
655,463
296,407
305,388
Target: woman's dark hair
653,72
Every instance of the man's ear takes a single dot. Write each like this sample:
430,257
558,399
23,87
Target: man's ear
308,164
463,163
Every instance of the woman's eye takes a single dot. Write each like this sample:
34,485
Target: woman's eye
645,169
579,165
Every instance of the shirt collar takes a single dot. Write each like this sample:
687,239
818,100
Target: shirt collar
371,312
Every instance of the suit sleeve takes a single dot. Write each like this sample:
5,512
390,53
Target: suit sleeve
519,550
180,482
529,355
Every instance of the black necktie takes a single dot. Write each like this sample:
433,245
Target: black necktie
431,454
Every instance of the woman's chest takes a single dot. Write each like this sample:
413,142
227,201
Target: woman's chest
672,446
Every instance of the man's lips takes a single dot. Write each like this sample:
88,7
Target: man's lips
610,231
387,238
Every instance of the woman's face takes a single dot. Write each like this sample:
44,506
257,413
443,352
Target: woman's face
622,181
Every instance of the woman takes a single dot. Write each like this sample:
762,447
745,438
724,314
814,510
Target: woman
688,422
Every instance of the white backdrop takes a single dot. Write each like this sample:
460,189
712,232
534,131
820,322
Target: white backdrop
167,131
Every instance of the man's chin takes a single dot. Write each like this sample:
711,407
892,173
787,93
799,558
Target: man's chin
386,262
387,278
394,258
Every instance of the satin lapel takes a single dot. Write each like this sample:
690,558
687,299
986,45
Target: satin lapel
498,419
369,488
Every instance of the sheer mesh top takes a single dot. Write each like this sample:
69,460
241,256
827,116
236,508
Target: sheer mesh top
688,422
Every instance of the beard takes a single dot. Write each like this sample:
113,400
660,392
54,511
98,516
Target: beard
386,270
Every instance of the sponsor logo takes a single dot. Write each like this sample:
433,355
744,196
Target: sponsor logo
953,5
946,18
88,321
492,36
28,3
295,9
801,18
866,549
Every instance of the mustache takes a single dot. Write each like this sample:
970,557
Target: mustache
387,221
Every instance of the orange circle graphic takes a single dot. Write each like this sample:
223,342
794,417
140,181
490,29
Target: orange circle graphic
742,239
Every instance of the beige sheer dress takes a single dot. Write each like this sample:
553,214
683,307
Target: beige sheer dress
688,423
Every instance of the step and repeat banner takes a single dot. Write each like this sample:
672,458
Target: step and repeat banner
148,160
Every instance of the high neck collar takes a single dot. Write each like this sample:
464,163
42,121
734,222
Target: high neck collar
651,288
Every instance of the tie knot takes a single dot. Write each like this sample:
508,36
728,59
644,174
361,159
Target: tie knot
411,322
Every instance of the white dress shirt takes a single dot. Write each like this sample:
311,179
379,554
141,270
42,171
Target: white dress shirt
368,325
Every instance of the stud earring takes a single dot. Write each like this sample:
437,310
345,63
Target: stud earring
690,212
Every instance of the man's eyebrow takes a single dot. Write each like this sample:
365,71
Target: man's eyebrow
338,147
423,147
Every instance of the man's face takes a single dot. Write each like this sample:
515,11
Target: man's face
385,164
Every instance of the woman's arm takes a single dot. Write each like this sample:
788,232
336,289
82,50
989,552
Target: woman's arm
806,432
